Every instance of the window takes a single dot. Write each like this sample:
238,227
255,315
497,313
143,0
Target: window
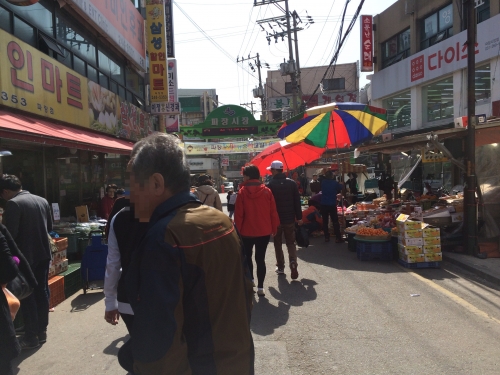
24,31
79,66
398,110
65,58
483,82
92,73
111,68
5,22
436,27
38,15
396,49
75,41
103,81
438,100
288,88
483,11
331,84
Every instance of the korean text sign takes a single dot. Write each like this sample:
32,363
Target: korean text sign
366,43
157,48
32,81
121,22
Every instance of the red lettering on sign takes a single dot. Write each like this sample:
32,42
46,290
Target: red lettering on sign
74,90
159,84
47,76
59,84
14,49
158,69
449,55
417,68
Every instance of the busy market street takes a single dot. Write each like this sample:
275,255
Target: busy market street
342,316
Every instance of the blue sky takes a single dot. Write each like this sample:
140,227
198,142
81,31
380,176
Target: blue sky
232,27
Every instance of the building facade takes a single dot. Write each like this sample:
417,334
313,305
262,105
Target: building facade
73,96
342,86
421,58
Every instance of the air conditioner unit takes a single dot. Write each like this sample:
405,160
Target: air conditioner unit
258,92
461,122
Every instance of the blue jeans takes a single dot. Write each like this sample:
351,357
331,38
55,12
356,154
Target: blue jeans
35,307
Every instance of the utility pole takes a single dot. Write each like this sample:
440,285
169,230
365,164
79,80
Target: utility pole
249,105
470,143
259,91
299,81
293,73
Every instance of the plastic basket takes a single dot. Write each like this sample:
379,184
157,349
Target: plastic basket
72,279
56,287
374,250
420,264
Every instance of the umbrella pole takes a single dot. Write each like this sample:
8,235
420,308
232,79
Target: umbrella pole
338,162
282,154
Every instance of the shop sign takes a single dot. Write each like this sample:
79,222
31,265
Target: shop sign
436,61
157,48
169,26
429,156
171,123
217,148
34,82
166,108
278,103
224,162
121,22
366,43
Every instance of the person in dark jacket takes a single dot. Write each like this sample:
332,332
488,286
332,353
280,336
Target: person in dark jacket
28,219
188,282
9,346
352,185
315,185
231,202
286,195
330,187
256,219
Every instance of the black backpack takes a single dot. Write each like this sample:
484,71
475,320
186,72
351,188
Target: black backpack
301,236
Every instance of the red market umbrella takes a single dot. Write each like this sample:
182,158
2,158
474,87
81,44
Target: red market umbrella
292,155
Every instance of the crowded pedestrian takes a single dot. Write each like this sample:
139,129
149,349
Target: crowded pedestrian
107,201
231,202
12,261
303,183
287,198
256,219
330,187
188,282
28,219
311,217
206,193
352,185
315,185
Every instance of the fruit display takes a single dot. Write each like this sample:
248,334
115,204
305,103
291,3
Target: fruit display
371,232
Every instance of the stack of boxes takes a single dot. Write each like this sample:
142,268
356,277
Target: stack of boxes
418,242
59,258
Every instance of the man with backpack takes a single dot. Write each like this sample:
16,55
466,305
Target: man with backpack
206,193
287,198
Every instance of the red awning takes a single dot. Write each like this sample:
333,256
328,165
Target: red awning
24,128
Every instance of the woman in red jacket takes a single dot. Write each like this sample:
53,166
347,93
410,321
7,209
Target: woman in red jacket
256,218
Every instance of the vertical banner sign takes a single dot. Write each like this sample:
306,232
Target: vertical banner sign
157,48
169,28
172,121
366,43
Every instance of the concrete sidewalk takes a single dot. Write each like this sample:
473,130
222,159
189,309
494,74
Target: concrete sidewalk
488,269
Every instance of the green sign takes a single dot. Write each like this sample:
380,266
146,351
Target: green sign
230,121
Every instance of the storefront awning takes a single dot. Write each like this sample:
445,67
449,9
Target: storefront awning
24,128
485,134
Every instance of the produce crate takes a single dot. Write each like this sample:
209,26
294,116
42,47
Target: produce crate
72,279
420,264
61,243
374,250
56,287
72,242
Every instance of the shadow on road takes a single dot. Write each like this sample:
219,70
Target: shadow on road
337,256
22,356
266,317
294,293
112,348
84,301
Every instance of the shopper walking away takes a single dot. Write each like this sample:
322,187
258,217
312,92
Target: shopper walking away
11,262
188,282
206,193
286,195
330,187
256,219
28,219
108,201
231,201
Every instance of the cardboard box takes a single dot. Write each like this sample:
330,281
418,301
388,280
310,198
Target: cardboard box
413,233
61,267
434,257
429,231
403,222
432,249
410,249
410,241
428,241
59,256
412,258
52,271
457,217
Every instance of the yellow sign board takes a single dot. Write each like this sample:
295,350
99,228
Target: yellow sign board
157,47
34,82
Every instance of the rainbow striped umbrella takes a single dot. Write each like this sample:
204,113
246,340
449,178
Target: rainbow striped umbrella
335,125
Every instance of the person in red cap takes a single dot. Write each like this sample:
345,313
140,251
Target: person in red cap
287,197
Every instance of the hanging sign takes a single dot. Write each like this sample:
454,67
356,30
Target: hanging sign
366,43
157,48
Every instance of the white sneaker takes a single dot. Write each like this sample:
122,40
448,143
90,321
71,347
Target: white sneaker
260,292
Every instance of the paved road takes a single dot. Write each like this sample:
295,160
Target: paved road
342,316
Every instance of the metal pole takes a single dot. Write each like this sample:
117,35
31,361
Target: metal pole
44,166
470,143
290,50
295,15
262,101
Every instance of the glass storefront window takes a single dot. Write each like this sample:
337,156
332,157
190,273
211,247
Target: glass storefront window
37,14
5,19
75,40
92,73
135,82
109,66
103,80
24,31
438,100
79,66
483,82
398,110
